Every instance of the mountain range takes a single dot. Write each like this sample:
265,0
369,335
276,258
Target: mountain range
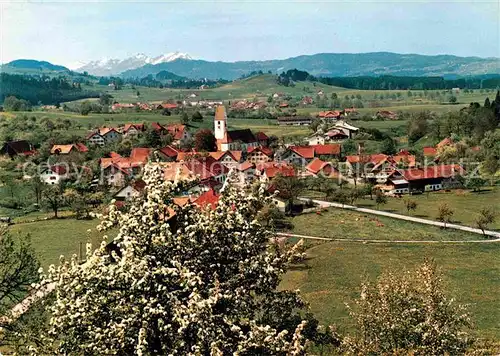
107,67
322,64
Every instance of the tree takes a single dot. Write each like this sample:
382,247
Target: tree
340,196
37,187
204,283
410,205
85,108
475,183
380,198
184,118
11,103
138,94
452,99
388,146
18,270
204,140
53,198
289,189
486,217
197,117
408,313
105,99
444,213
487,103
77,203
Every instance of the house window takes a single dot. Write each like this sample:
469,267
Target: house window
52,178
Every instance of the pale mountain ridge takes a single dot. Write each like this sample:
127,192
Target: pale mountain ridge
113,66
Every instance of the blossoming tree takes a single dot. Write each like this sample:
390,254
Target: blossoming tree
181,281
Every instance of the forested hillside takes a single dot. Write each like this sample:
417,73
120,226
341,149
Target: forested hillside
44,89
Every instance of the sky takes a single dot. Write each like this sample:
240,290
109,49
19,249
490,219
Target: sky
72,33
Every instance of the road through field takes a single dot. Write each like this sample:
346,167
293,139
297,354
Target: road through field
325,204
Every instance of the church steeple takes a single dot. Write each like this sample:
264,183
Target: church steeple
220,121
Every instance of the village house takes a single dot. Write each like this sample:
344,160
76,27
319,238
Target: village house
294,120
346,128
131,190
319,168
133,130
302,155
180,133
168,106
208,170
167,154
433,178
230,159
67,149
245,173
334,115
259,154
307,100
234,139
53,175
269,170
159,128
103,136
116,169
18,148
119,107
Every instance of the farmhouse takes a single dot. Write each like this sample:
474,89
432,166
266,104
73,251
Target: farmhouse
168,154
302,155
130,191
18,148
319,168
104,136
54,174
179,133
346,128
259,154
133,130
433,178
67,149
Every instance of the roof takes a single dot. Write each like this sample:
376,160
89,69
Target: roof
103,131
60,169
244,135
139,185
336,133
220,113
169,106
245,166
174,171
140,154
261,136
317,165
445,142
65,149
138,157
303,151
265,150
158,127
407,159
236,155
138,127
329,114
345,125
208,198
20,147
430,151
176,130
374,159
283,170
169,151
441,171
328,149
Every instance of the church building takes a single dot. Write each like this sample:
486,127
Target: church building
235,139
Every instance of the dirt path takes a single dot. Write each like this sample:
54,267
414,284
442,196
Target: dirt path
494,234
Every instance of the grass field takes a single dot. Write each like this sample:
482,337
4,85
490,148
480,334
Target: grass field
346,224
465,204
53,238
332,274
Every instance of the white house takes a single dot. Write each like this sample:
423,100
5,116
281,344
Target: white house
130,190
54,174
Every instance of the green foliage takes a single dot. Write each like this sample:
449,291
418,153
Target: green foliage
380,198
18,270
445,212
486,217
11,103
409,313
204,140
410,205
197,117
388,146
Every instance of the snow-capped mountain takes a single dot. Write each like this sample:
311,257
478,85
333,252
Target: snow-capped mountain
115,66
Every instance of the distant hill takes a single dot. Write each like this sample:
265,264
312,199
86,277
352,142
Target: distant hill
166,75
331,65
31,66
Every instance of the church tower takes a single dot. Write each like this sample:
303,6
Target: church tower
220,122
